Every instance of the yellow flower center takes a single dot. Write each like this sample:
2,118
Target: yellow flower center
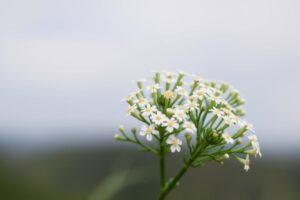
149,130
168,94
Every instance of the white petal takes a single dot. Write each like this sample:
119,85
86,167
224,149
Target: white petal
179,142
173,148
149,137
142,133
169,129
169,140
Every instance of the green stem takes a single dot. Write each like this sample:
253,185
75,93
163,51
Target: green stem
162,162
182,171
165,192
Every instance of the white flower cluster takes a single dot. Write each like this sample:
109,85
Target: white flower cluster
205,112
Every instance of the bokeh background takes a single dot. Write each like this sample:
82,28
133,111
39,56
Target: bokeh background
65,65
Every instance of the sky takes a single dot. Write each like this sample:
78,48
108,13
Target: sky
65,65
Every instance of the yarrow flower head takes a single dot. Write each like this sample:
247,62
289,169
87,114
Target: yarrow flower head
179,110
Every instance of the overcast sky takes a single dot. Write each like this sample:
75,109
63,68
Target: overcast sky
65,65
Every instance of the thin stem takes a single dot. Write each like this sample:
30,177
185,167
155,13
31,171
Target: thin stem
162,162
164,193
182,171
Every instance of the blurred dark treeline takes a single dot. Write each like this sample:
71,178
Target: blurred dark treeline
75,173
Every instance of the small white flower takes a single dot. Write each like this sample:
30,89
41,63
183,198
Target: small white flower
254,142
192,105
128,98
158,118
180,115
141,102
208,89
189,127
247,125
247,163
168,78
131,109
250,127
168,94
170,111
180,107
253,139
181,91
148,110
236,119
170,125
148,132
217,112
175,143
228,120
216,99
256,149
227,111
228,139
200,94
153,88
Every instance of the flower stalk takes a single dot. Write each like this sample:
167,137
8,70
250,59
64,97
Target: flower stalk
208,115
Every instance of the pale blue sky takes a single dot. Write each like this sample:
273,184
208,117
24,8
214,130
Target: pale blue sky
66,64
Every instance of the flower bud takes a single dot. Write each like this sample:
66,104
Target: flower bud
133,130
140,83
213,84
180,83
188,137
224,87
117,137
122,129
213,138
238,141
170,111
240,112
223,158
251,152
157,77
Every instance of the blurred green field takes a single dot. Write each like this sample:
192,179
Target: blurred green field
84,173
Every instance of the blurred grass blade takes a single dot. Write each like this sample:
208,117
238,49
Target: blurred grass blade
115,183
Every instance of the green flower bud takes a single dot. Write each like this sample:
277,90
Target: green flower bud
170,111
213,84
117,137
133,130
223,158
252,152
238,141
240,112
188,137
213,137
224,87
157,77
122,129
